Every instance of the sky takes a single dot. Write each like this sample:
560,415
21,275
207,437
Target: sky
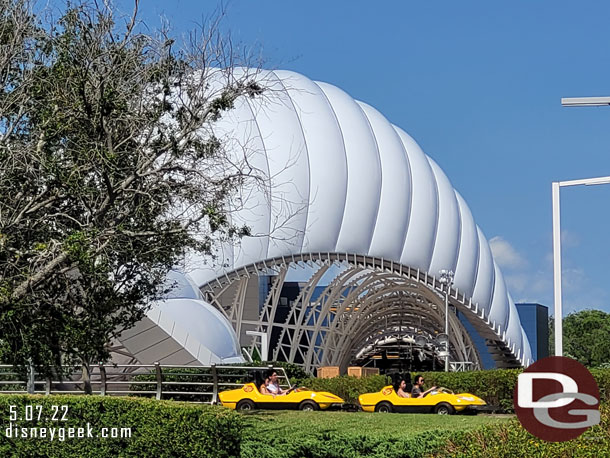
478,85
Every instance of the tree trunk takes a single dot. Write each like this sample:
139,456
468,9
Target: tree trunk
86,377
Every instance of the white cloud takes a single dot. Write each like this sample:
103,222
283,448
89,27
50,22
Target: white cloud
569,239
505,255
573,279
517,283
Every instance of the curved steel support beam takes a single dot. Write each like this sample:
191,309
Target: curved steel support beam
313,330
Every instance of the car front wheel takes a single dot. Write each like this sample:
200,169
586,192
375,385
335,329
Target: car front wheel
245,405
384,407
444,409
308,406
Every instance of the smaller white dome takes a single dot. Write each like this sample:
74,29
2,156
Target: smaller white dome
204,326
183,286
183,329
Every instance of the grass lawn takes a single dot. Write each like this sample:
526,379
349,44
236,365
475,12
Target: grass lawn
346,434
362,423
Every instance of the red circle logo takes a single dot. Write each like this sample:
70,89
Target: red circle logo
556,399
387,391
248,388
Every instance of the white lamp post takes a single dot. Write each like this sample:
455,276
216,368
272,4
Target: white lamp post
585,101
557,252
264,343
446,279
568,102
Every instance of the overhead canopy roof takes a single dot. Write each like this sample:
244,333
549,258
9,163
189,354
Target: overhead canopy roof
337,177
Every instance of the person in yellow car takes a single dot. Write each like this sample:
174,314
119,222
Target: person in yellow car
263,386
272,386
263,392
418,388
401,389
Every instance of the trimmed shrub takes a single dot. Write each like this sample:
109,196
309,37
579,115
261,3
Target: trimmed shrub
602,377
347,387
181,377
510,439
265,438
158,428
335,445
496,386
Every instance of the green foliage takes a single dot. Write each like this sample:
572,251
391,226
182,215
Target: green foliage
602,377
181,378
96,155
510,439
293,371
347,387
586,335
9,375
495,386
177,375
158,428
342,434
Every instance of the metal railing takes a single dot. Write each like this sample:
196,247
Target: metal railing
200,384
463,366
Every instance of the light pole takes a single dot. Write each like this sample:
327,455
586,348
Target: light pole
446,279
568,102
264,343
556,186
585,101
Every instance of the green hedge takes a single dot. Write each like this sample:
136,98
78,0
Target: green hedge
347,387
495,386
510,439
348,434
293,372
158,428
337,445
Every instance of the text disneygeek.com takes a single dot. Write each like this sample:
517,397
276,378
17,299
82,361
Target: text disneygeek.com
61,433
33,413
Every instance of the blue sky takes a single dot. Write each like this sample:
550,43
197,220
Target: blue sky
478,84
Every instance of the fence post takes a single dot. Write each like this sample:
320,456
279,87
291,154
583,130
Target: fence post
215,384
31,378
47,390
102,379
159,380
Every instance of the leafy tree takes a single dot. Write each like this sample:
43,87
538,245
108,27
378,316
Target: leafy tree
586,335
109,170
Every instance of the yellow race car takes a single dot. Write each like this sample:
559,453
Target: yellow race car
441,401
249,397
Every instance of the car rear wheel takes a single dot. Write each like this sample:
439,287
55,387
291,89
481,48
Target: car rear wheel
444,409
308,406
384,407
245,405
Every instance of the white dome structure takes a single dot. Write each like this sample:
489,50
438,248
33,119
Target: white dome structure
172,332
344,185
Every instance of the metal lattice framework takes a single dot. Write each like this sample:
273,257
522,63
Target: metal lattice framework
369,297
333,183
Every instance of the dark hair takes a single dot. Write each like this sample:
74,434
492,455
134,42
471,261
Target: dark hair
270,372
258,378
396,384
417,377
397,379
